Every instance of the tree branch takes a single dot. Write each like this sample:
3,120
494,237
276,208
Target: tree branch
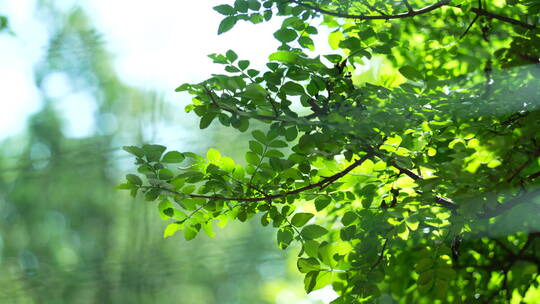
438,199
323,183
469,27
408,5
491,15
244,113
236,110
534,175
410,13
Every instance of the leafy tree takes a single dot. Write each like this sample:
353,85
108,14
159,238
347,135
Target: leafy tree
420,184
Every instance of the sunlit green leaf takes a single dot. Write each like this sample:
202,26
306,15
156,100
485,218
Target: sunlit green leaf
311,232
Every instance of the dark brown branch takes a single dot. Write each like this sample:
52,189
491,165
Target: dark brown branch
410,13
315,107
241,112
406,171
534,175
491,15
323,183
444,202
438,199
469,27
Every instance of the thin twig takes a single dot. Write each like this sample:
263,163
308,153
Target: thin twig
408,5
408,14
469,27
238,111
491,15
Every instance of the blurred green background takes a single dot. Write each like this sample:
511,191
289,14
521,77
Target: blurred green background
72,96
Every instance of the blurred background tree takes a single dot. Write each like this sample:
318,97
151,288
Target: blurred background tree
66,236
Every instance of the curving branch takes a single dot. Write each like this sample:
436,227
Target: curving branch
442,201
483,12
322,184
241,112
410,13
236,110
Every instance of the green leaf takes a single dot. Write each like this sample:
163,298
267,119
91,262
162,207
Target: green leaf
301,218
306,42
190,232
259,135
283,56
171,229
254,5
256,18
243,64
173,157
307,265
134,150
152,194
440,288
213,155
311,232
134,179
285,35
227,24
410,72
206,120
126,186
334,58
165,209
348,218
252,158
284,238
255,91
165,174
153,152
293,89
326,252
278,144
225,9
446,273
291,133
426,277
4,23
424,265
231,56
207,227
256,147
311,248
316,280
241,6
321,202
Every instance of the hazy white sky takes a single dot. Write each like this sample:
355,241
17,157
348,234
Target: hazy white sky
157,45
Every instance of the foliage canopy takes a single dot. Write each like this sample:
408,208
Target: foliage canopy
419,183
